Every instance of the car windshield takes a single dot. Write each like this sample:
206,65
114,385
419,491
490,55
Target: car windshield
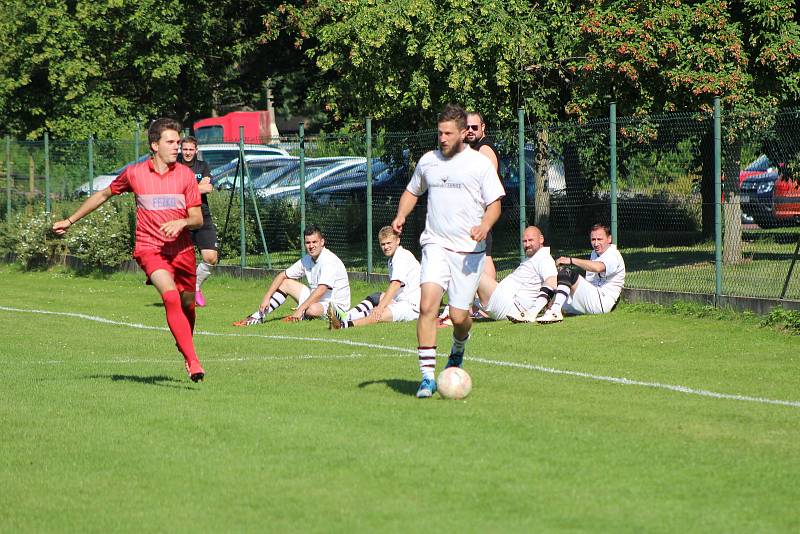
217,158
313,169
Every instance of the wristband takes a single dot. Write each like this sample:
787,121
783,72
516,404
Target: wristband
570,261
70,221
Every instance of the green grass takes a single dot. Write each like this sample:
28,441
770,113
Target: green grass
102,430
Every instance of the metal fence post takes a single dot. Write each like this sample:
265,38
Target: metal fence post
136,141
521,163
612,133
302,133
717,201
90,150
8,178
242,242
47,172
369,197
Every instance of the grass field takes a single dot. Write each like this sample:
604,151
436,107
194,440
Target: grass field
635,421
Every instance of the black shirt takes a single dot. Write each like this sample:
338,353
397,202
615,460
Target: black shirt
200,170
484,141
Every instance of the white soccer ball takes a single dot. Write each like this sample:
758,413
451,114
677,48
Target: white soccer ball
454,383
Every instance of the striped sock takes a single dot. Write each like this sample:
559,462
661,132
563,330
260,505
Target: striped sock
203,272
361,310
278,298
562,294
458,344
427,361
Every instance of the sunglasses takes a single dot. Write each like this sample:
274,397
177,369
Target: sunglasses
473,127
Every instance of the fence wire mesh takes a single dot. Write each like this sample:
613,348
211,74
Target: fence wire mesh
665,200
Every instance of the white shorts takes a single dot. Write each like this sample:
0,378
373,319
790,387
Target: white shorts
588,298
306,292
403,311
501,303
458,274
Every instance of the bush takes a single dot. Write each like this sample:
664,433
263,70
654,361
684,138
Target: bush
102,240
36,245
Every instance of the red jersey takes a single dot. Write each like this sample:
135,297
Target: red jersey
159,198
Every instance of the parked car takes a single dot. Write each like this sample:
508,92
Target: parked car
288,185
352,181
218,154
104,180
224,176
555,177
769,196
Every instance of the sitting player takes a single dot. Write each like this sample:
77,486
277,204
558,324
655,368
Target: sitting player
327,283
400,301
600,290
526,291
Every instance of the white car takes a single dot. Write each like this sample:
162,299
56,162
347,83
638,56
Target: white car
317,169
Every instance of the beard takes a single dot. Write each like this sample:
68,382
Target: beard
452,151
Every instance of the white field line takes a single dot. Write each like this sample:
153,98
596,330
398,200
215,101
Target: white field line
500,363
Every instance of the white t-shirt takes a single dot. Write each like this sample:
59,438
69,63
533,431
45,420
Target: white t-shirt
327,270
531,274
459,189
405,268
612,279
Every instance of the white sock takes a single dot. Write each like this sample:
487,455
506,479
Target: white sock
203,272
562,293
277,299
427,361
458,344
360,311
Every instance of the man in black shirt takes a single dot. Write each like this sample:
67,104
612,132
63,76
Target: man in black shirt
205,238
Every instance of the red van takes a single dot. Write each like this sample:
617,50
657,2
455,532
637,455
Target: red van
258,128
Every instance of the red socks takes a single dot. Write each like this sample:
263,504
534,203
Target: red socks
180,325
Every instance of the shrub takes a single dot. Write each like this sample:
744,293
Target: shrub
36,245
102,240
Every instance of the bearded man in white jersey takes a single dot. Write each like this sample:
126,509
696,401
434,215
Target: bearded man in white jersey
526,291
599,291
463,204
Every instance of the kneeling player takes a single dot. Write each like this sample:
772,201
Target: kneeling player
400,301
327,283
526,291
600,290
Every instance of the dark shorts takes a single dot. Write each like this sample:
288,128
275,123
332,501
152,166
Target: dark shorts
182,267
489,244
205,237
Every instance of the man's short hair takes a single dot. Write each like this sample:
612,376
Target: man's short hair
190,139
386,232
606,228
158,126
479,114
455,113
311,230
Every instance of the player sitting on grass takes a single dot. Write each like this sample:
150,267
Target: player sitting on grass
400,301
327,283
600,290
526,291
167,207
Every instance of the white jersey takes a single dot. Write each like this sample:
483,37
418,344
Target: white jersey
611,280
405,268
459,190
530,276
327,270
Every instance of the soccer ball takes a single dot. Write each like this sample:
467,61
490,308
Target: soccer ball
454,383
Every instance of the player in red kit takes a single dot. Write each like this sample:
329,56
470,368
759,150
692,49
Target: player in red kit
167,207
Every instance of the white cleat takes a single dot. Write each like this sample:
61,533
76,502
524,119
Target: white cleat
522,316
550,316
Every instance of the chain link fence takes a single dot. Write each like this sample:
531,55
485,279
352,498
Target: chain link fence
651,178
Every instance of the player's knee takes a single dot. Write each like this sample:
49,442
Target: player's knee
374,298
567,277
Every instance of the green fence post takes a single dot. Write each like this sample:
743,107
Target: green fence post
612,133
8,178
369,197
136,141
47,172
717,201
90,150
302,133
242,242
522,198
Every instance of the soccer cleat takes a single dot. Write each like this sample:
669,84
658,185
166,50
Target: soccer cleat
195,371
455,360
199,299
521,316
257,317
336,318
550,316
426,388
290,319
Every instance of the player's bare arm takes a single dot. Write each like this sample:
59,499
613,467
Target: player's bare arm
386,298
315,296
404,207
204,186
88,206
587,265
273,287
492,214
193,221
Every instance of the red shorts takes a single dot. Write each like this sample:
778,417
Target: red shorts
182,266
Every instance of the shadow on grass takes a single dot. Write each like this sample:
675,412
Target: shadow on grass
155,380
405,387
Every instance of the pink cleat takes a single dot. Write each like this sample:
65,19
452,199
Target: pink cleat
199,299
